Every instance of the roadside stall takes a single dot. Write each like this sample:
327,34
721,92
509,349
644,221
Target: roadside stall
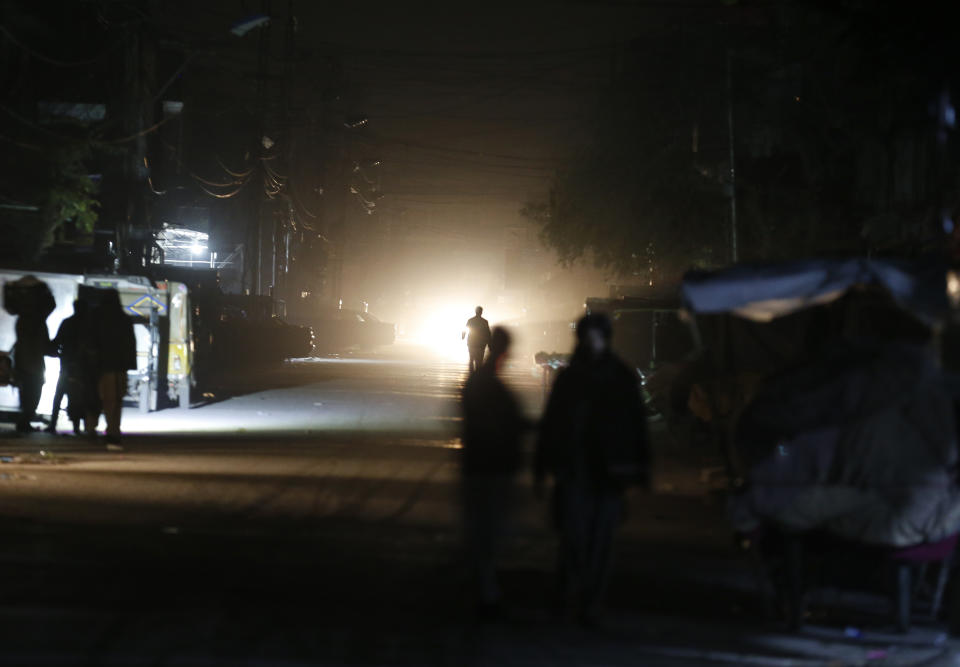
822,384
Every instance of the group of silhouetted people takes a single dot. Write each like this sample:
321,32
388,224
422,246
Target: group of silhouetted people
96,346
591,444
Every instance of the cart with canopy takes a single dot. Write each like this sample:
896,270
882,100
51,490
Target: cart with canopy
822,383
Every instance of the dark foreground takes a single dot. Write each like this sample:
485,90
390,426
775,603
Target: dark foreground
338,544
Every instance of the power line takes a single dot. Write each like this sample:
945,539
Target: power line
21,144
53,61
531,120
443,162
228,195
235,174
136,135
521,82
503,54
36,126
452,75
457,151
214,184
414,197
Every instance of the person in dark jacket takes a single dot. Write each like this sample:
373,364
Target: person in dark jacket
478,338
593,443
68,345
493,425
31,301
33,342
116,353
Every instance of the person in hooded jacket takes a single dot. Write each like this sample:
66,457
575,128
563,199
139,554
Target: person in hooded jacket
593,444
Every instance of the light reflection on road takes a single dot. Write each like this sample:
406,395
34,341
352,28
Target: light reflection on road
399,390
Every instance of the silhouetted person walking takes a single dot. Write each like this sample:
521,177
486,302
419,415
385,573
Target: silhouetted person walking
492,427
116,348
32,302
478,337
73,381
33,341
593,442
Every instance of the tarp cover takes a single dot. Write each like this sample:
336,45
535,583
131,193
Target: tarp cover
861,444
764,291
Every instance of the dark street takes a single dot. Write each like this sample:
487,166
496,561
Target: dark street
551,332
329,535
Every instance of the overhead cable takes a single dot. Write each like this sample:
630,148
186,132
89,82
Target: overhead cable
36,126
59,137
19,143
459,151
299,203
146,165
136,135
467,54
221,196
272,171
53,61
214,184
235,174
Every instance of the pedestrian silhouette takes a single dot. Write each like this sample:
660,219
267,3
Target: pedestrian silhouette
116,353
32,302
74,382
478,337
492,427
593,443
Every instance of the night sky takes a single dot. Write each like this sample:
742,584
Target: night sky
838,115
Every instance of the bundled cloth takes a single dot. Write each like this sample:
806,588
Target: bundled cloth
860,443
28,296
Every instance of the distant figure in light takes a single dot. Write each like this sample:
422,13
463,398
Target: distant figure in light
478,337
493,425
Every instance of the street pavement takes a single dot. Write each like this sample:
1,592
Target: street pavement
309,516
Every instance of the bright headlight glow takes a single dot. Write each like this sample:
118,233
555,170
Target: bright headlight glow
953,288
442,330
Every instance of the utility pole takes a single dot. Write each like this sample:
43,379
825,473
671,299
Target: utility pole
283,231
339,230
125,203
127,110
263,55
732,177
